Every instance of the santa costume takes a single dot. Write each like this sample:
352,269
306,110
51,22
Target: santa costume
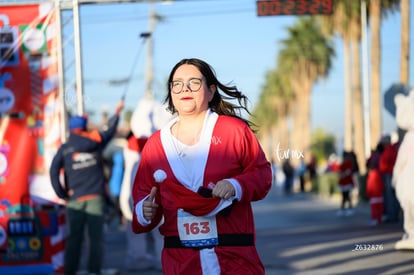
374,191
204,234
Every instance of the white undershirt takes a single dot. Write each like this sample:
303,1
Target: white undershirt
187,154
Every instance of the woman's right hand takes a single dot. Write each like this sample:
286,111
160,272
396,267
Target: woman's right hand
149,207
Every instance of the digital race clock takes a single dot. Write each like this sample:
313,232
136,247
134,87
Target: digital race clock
293,7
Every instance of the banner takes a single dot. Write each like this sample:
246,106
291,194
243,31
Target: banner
29,135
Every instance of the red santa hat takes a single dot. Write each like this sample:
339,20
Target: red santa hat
190,201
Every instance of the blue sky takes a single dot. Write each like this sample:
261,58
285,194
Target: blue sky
228,34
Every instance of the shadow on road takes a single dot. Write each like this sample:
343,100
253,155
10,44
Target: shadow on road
301,234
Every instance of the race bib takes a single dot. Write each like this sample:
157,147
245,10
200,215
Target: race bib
196,231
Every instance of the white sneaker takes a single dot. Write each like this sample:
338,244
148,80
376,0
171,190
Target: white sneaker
405,244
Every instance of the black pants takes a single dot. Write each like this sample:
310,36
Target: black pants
346,198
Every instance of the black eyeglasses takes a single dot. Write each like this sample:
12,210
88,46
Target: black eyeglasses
194,84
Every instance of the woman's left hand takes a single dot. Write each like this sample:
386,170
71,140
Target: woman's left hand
223,189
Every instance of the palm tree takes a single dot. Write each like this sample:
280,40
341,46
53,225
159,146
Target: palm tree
282,102
259,115
375,72
272,112
377,9
405,41
339,23
358,117
346,21
263,117
306,56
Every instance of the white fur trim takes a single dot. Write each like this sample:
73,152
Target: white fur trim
209,262
140,214
194,180
125,201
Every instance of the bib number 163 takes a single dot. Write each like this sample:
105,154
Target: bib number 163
195,228
196,231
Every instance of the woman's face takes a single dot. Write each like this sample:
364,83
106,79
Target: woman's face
189,102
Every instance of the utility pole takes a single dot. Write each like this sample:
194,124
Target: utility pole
149,71
149,74
78,58
61,72
365,76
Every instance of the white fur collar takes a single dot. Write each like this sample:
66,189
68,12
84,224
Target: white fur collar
194,180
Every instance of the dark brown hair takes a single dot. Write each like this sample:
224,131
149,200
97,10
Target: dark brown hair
218,104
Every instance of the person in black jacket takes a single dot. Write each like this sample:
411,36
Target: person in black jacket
83,188
289,172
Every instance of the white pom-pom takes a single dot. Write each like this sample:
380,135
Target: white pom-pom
160,175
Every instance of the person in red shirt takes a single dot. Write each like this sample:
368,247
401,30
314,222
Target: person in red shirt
375,185
346,184
333,164
386,166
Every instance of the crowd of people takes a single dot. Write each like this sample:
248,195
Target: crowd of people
382,197
291,178
346,180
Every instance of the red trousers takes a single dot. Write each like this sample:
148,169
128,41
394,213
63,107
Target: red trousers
377,208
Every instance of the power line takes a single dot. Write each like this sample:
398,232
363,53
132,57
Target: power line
122,18
144,37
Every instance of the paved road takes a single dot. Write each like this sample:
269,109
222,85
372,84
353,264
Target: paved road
301,234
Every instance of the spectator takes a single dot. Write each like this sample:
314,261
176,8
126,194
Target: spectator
375,185
115,182
83,189
312,171
386,166
139,254
289,172
355,175
346,184
301,171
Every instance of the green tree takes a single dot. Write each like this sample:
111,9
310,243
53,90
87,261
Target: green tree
306,56
323,145
272,110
